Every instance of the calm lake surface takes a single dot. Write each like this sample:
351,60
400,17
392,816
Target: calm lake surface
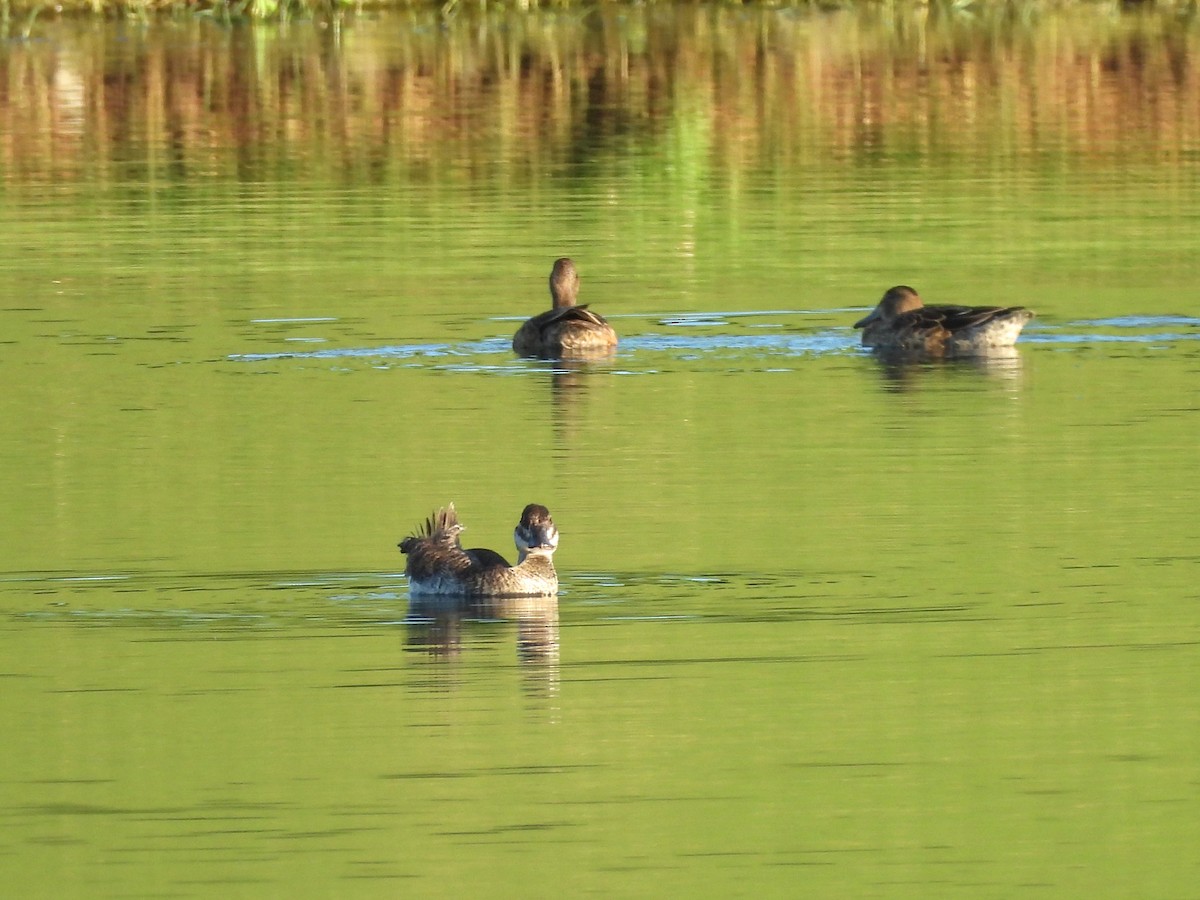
827,627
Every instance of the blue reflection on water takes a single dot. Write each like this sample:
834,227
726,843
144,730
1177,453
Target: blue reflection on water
774,342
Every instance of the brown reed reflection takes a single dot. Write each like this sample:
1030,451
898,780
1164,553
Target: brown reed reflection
409,95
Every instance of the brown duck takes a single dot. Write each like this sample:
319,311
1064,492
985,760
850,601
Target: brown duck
902,323
565,330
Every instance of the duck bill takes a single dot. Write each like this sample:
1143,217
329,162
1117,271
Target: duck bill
866,320
545,539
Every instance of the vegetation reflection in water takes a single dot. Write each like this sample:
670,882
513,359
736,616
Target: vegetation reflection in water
524,99
827,625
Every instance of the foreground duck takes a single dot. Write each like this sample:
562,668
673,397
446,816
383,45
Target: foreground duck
438,564
565,329
902,323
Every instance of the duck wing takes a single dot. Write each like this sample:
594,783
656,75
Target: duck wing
482,558
956,318
583,314
567,314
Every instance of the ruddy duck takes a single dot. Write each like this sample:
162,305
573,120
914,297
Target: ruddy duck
902,323
566,329
438,564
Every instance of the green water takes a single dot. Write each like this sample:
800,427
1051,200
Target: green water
827,627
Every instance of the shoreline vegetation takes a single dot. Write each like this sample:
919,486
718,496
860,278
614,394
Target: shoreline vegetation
14,12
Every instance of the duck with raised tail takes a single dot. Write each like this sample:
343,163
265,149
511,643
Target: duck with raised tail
437,564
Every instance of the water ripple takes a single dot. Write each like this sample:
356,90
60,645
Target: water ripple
1119,330
767,339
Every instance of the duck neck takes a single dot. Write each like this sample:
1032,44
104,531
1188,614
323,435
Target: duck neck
535,556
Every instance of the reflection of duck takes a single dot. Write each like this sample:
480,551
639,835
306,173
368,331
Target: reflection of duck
435,627
565,329
902,323
437,563
904,372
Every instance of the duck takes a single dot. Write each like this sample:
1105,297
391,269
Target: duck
437,564
902,323
565,330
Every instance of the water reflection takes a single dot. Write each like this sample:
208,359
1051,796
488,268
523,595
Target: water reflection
903,372
435,626
570,384
524,96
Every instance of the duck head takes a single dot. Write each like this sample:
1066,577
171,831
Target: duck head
535,533
898,300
